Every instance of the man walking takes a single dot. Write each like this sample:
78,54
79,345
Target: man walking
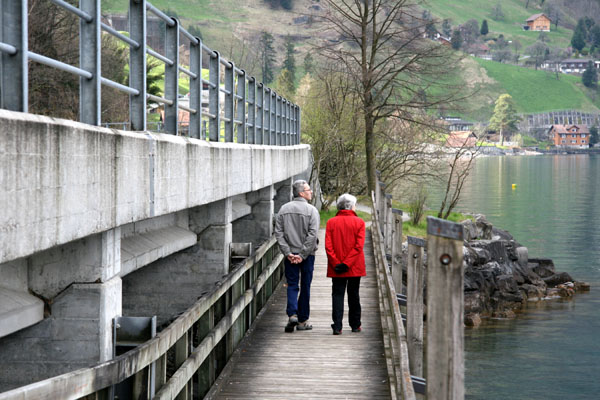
296,229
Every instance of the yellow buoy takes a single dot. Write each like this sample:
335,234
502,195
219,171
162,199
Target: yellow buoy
514,186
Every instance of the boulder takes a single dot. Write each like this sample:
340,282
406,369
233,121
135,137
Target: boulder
472,320
557,279
544,267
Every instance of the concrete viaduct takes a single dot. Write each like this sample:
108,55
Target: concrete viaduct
96,223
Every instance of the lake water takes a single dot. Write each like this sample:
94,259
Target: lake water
552,349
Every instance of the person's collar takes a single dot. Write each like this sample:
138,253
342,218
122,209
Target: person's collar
299,198
346,212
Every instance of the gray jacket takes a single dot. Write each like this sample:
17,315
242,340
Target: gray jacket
296,228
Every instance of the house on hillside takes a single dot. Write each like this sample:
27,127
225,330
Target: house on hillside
539,22
576,65
456,124
460,139
573,136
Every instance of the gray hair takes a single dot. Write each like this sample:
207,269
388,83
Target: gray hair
298,187
346,202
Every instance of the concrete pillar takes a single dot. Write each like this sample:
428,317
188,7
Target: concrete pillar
283,195
258,226
212,224
82,290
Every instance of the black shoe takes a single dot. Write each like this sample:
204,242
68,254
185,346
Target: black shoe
336,331
359,329
292,322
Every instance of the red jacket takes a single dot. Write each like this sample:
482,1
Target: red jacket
344,242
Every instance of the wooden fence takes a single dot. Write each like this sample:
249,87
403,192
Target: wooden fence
183,360
445,304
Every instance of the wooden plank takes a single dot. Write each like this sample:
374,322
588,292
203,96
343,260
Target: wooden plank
414,307
445,336
270,363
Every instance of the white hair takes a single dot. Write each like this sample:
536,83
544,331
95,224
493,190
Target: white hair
346,202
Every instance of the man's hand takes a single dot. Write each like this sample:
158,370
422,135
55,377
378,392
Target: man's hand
294,258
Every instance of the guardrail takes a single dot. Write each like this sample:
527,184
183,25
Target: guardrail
240,109
196,345
445,303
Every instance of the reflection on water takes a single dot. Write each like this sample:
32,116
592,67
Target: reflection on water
552,349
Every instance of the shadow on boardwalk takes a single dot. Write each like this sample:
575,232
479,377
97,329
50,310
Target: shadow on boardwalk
314,364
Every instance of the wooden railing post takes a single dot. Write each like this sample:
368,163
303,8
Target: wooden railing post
397,249
182,348
389,224
415,275
445,337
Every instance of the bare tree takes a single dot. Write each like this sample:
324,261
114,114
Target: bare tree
459,166
379,45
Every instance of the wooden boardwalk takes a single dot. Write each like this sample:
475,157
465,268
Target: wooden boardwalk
272,364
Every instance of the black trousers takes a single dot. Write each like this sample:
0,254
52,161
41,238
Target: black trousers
339,287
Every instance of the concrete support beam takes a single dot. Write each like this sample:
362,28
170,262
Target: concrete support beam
96,258
256,227
77,333
284,193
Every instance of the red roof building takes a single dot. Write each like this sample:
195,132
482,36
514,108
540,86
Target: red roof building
572,136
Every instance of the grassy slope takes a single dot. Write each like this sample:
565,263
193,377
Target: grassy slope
515,16
538,91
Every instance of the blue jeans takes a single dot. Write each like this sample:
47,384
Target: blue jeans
299,273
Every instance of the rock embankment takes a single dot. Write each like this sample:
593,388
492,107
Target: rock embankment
500,277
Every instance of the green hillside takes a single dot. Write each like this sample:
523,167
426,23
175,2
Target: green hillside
515,15
533,91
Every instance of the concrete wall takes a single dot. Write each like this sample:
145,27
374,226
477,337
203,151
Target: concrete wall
97,223
63,180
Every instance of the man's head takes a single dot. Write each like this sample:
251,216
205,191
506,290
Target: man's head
346,202
300,188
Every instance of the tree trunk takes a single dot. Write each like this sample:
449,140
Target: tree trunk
370,151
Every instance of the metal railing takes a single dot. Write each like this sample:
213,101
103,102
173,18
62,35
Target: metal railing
197,345
240,109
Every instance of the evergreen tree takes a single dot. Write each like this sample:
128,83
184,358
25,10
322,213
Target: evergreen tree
594,135
505,116
289,62
579,35
456,39
308,63
446,28
590,76
484,28
267,56
285,85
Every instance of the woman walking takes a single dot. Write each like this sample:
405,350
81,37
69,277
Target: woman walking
344,241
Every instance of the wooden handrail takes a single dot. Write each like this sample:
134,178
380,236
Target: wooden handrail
400,381
85,381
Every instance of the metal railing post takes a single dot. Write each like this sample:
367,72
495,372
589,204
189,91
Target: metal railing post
287,123
445,310
278,120
241,107
13,31
89,60
137,64
298,125
213,97
260,102
415,275
229,101
172,77
272,118
196,89
252,110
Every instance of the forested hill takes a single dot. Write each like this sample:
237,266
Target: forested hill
235,27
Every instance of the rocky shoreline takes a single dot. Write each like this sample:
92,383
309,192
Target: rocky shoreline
500,277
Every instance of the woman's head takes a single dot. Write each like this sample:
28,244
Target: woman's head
346,202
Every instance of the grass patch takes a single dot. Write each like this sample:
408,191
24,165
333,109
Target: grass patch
327,215
420,230
538,91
